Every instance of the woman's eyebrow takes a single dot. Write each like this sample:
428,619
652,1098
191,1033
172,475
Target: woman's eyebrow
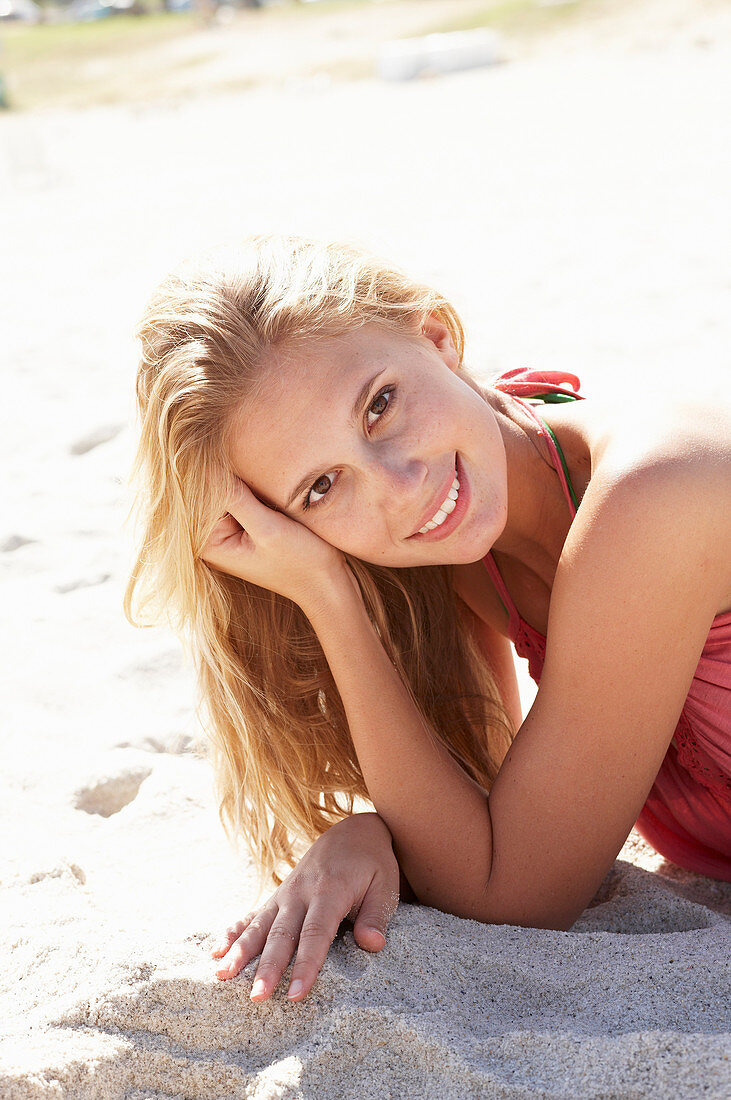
354,415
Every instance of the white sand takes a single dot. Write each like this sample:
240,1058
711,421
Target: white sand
575,203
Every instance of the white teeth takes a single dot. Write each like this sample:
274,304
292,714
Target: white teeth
445,508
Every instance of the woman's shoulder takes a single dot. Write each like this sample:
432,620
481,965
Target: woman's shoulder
646,438
669,453
662,432
660,474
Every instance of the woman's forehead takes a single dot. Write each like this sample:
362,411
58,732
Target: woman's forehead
291,375
299,405
295,372
331,348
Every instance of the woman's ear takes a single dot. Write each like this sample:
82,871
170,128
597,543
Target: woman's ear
440,336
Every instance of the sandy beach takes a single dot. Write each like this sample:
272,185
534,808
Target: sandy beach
573,202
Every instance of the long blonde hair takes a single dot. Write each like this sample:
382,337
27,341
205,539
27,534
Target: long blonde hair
284,762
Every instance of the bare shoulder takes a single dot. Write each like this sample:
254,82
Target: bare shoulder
661,489
662,434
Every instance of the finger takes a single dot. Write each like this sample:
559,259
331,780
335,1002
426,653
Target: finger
248,944
378,906
318,932
230,935
225,528
278,951
246,508
226,538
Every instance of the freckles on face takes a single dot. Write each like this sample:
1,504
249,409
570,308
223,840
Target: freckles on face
273,433
372,476
315,426
297,424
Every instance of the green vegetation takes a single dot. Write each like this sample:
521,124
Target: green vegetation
77,41
76,64
514,16
164,56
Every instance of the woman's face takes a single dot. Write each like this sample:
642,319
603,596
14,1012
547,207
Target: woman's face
359,437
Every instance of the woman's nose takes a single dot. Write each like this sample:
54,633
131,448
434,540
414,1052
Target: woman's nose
399,477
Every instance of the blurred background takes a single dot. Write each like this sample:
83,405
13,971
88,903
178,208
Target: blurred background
562,170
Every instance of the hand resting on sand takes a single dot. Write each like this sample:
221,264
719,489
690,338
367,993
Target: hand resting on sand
350,872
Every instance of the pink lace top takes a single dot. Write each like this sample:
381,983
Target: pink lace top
687,815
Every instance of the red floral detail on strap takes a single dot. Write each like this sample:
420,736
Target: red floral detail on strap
692,757
523,382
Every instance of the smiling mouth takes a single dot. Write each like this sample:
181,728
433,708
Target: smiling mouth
449,513
445,508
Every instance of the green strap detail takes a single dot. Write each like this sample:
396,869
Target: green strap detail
563,461
505,609
552,398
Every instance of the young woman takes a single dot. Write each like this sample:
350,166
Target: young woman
350,532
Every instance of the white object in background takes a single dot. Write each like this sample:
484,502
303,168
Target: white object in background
407,58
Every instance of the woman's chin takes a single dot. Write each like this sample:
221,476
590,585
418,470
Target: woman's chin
464,546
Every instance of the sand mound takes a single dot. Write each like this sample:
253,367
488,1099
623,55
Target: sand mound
626,1003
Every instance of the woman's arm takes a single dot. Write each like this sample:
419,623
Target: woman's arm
436,814
498,652
643,572
625,635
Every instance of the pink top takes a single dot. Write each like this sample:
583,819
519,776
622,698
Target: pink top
687,815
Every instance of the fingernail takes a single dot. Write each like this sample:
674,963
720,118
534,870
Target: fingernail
259,988
295,989
379,933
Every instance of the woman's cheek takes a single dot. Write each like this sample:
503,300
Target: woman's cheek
353,537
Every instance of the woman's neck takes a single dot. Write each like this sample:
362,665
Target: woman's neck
538,514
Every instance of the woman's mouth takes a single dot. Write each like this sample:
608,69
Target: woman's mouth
449,513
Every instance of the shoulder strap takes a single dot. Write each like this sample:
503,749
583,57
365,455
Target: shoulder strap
547,387
503,594
557,458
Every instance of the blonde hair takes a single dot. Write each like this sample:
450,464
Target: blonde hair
284,762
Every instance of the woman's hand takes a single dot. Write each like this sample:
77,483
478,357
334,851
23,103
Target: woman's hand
268,548
350,872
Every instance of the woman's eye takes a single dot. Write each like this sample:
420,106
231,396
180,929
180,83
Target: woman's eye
380,403
322,486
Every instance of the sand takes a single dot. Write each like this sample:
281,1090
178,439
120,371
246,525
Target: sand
630,1002
574,202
